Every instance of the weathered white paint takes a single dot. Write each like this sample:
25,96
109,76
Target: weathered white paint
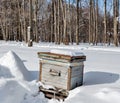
61,81
57,81
68,64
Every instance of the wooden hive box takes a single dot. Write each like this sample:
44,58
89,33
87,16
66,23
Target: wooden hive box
61,71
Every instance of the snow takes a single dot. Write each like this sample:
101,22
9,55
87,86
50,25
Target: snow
11,65
19,71
108,95
67,52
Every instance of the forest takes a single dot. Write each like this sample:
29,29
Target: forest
60,21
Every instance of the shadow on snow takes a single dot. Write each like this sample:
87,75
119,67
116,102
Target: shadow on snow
96,77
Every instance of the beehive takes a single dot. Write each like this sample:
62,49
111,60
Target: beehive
61,71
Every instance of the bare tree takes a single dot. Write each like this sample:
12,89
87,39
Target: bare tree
90,21
116,15
77,22
105,22
96,38
30,24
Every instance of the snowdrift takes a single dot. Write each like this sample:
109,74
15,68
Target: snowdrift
15,86
12,66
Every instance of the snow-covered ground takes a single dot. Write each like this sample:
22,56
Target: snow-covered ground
19,70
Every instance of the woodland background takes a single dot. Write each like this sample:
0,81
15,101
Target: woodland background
60,21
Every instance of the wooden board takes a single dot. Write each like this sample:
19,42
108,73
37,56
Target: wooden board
53,55
76,81
57,80
68,78
56,94
68,64
40,74
76,71
76,76
60,56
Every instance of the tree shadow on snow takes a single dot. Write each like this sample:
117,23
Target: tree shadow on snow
94,78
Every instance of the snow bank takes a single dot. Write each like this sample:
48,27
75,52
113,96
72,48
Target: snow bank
11,65
5,72
67,52
13,91
13,85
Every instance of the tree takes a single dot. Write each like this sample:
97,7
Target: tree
96,37
105,22
36,19
91,21
30,24
116,15
77,22
69,22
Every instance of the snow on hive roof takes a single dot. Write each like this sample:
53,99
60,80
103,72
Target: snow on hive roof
11,64
67,52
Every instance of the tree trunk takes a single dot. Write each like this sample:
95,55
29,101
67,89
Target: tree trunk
77,23
55,33
58,25
30,24
36,21
70,35
3,30
105,22
116,15
52,21
65,26
93,22
90,22
96,38
24,32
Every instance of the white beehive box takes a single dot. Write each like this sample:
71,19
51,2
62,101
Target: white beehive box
61,71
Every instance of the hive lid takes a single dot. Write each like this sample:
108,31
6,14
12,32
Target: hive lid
67,52
62,54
